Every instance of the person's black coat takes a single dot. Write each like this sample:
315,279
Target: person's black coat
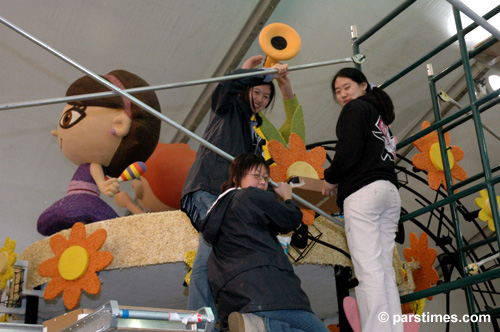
248,269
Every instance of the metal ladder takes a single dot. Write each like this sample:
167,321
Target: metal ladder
112,317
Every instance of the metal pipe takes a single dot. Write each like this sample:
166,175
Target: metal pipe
356,59
435,51
162,117
187,317
452,285
475,17
444,97
384,21
458,63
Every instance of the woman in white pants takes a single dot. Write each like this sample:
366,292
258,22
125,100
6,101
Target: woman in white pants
362,174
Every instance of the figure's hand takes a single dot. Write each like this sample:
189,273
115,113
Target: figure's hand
110,187
328,189
284,190
282,70
123,199
283,80
252,62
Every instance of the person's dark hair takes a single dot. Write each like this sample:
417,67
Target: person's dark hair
246,97
144,132
240,166
382,98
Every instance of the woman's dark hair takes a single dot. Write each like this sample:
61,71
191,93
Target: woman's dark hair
144,131
386,108
246,97
240,166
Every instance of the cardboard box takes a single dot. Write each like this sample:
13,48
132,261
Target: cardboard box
310,190
58,323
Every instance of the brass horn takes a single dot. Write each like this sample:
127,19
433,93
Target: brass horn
279,42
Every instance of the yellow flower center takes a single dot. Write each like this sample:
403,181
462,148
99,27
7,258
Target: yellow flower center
4,262
437,161
73,263
301,168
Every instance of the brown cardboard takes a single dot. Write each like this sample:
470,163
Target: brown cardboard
311,192
58,323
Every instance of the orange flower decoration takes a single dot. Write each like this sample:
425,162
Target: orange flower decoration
74,267
308,216
426,276
429,159
296,161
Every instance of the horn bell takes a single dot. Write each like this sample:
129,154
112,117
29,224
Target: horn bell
279,42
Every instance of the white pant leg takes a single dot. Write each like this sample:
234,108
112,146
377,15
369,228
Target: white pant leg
388,227
363,211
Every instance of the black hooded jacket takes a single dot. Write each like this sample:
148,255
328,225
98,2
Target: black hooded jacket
248,269
365,151
229,129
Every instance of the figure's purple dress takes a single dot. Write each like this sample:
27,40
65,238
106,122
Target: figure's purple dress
81,203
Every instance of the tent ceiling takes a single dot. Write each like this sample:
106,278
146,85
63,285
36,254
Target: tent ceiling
167,41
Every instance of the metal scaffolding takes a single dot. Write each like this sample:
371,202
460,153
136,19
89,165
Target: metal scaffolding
484,180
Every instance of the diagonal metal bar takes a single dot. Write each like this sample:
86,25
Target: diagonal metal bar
475,17
155,113
169,85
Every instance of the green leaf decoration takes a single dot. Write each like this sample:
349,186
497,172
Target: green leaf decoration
270,131
298,125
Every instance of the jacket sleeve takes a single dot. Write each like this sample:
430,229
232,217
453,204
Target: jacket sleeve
225,92
352,128
282,217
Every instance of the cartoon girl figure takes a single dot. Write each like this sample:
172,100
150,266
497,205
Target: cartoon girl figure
102,136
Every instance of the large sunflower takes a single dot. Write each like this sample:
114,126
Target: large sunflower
7,259
429,159
74,267
485,213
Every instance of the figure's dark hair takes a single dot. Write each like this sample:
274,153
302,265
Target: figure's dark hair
240,166
386,108
144,132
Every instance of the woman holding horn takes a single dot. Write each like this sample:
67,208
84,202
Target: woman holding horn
230,128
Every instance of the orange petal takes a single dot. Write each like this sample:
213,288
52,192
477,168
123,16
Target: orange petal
78,233
296,144
277,173
459,173
435,178
316,158
413,240
279,153
92,284
100,260
58,244
53,289
49,267
424,240
422,161
96,239
307,216
71,297
424,143
457,152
